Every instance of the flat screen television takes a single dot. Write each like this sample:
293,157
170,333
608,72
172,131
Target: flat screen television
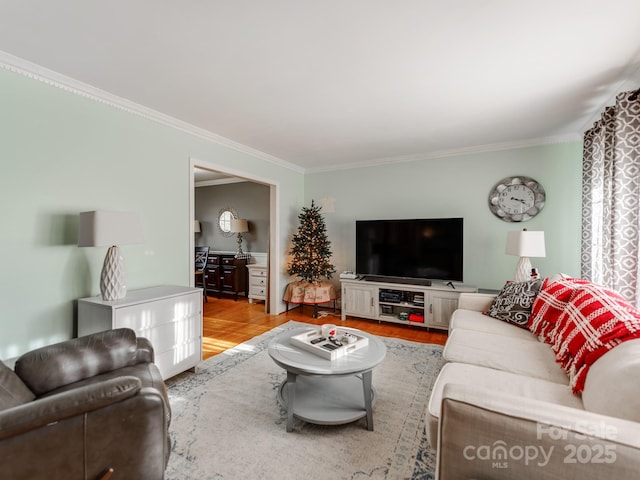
411,249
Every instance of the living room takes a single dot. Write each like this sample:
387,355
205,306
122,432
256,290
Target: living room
72,144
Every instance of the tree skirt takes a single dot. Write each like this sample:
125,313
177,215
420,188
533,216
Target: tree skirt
227,422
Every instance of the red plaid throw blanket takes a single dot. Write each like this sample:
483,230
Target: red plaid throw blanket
549,306
593,321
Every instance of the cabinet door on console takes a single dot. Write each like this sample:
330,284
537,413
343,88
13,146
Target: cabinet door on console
233,276
360,300
213,277
228,278
441,307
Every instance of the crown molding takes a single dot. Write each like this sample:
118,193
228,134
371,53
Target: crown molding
42,74
39,73
494,147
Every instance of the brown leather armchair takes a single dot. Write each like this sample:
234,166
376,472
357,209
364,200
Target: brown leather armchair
89,408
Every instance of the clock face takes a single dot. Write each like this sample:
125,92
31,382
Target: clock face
516,199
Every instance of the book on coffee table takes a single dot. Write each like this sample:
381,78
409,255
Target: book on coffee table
347,341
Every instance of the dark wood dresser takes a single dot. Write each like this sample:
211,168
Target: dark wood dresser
226,275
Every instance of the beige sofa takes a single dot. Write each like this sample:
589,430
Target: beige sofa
503,408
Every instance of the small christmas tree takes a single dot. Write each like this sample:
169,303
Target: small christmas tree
311,250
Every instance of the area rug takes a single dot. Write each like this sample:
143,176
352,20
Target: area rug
227,422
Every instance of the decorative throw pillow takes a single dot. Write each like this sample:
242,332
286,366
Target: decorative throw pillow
513,303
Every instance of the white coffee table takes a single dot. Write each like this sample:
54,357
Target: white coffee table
327,392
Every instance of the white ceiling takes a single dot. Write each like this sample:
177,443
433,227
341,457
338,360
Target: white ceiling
323,84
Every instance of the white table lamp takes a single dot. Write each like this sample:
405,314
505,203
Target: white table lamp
239,226
525,244
110,229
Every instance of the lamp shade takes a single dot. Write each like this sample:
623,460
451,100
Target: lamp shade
239,225
196,226
525,243
103,229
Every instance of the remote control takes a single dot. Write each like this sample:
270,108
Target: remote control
317,340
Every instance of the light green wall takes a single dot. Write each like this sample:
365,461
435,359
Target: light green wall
459,187
61,154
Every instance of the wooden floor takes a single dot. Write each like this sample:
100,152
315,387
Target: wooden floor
226,323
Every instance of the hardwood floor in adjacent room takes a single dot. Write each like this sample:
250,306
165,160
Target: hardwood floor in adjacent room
226,323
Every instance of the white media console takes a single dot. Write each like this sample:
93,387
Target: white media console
420,305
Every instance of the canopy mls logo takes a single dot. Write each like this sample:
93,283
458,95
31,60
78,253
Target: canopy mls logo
593,450
499,453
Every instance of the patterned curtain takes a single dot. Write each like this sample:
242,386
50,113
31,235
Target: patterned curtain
611,198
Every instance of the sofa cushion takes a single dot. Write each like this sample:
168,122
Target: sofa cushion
612,386
13,391
478,321
47,368
550,304
594,321
496,380
531,359
513,303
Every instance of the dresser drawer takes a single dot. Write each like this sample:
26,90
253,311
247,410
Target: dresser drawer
166,336
259,272
145,316
256,291
179,358
258,281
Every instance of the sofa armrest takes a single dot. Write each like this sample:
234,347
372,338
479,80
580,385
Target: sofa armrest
478,302
490,435
86,432
79,401
145,352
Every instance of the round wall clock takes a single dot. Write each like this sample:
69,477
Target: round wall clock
516,199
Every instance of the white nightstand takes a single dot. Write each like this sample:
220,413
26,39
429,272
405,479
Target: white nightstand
258,282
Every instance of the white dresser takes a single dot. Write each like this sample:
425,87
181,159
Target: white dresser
258,282
169,316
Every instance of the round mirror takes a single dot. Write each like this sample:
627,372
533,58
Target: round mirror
225,215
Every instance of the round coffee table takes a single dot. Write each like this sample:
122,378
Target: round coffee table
328,392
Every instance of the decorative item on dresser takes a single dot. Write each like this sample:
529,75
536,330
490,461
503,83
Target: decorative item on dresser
239,226
170,317
226,274
110,229
258,282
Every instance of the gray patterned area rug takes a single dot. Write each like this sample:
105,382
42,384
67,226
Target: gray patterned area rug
227,422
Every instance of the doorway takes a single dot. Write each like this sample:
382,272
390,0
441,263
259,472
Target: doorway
273,240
